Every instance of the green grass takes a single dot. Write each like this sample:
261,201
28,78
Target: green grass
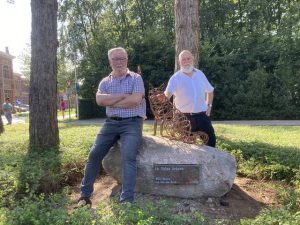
69,115
34,186
21,114
277,136
271,152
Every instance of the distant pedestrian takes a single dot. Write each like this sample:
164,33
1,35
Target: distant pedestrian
62,107
7,109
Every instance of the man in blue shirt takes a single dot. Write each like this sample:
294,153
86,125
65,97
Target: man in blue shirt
122,93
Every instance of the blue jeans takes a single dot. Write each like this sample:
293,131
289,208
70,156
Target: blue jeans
129,131
8,117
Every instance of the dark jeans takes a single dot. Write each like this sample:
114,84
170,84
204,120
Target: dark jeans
201,122
129,131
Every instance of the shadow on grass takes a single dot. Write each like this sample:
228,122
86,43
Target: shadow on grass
39,197
40,172
70,125
267,160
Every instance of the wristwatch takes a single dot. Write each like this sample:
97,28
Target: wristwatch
209,105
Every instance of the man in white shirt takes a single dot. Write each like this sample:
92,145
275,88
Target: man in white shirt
193,95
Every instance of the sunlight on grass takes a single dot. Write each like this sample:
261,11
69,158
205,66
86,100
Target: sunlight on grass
67,112
261,152
285,136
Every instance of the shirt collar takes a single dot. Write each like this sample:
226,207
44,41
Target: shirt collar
182,73
121,77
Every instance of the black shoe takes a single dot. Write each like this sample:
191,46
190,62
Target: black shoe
83,201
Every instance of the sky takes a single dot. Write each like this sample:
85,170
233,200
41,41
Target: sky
15,28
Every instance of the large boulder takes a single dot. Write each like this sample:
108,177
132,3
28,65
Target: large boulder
177,169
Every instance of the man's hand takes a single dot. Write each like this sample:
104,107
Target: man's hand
129,101
107,99
208,111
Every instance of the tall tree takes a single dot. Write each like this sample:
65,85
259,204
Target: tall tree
1,126
187,28
43,126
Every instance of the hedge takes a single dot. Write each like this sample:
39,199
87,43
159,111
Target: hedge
88,108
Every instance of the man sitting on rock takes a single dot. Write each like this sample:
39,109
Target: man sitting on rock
122,93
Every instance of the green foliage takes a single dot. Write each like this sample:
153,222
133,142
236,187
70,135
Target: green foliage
274,216
145,213
33,186
263,152
39,210
290,198
24,172
40,172
249,50
88,108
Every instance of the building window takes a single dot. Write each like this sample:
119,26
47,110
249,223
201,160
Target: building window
5,72
7,94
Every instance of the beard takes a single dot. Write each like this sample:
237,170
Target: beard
187,69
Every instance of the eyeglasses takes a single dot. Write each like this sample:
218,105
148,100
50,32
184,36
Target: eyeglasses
119,59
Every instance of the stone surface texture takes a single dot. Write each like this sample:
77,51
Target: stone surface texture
216,176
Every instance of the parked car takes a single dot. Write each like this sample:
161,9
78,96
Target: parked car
22,108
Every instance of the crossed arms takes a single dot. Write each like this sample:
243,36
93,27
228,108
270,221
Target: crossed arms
119,100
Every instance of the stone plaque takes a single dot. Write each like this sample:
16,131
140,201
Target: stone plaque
176,173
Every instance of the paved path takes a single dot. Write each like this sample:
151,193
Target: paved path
261,122
99,121
15,120
234,122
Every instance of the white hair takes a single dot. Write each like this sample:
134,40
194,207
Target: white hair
185,51
115,49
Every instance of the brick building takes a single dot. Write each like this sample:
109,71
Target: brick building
21,90
12,85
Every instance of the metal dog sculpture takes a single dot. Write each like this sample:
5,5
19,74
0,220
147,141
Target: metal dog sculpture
173,122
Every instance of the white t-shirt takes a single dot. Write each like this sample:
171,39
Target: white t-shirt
189,92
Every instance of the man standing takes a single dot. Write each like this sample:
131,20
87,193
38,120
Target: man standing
7,109
122,93
193,95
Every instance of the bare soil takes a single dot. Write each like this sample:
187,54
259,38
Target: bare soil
245,200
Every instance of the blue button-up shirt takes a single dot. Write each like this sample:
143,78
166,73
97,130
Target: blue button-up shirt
127,84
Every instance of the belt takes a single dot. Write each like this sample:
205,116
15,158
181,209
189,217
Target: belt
122,118
194,114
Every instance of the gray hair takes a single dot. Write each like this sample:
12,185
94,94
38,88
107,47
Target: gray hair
115,49
185,51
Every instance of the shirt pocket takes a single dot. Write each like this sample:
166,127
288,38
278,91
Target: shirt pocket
127,86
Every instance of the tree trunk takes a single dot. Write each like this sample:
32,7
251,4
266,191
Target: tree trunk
1,125
187,28
43,127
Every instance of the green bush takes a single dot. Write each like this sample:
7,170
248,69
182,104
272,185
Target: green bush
274,216
270,152
263,152
53,210
145,213
88,108
38,210
40,172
